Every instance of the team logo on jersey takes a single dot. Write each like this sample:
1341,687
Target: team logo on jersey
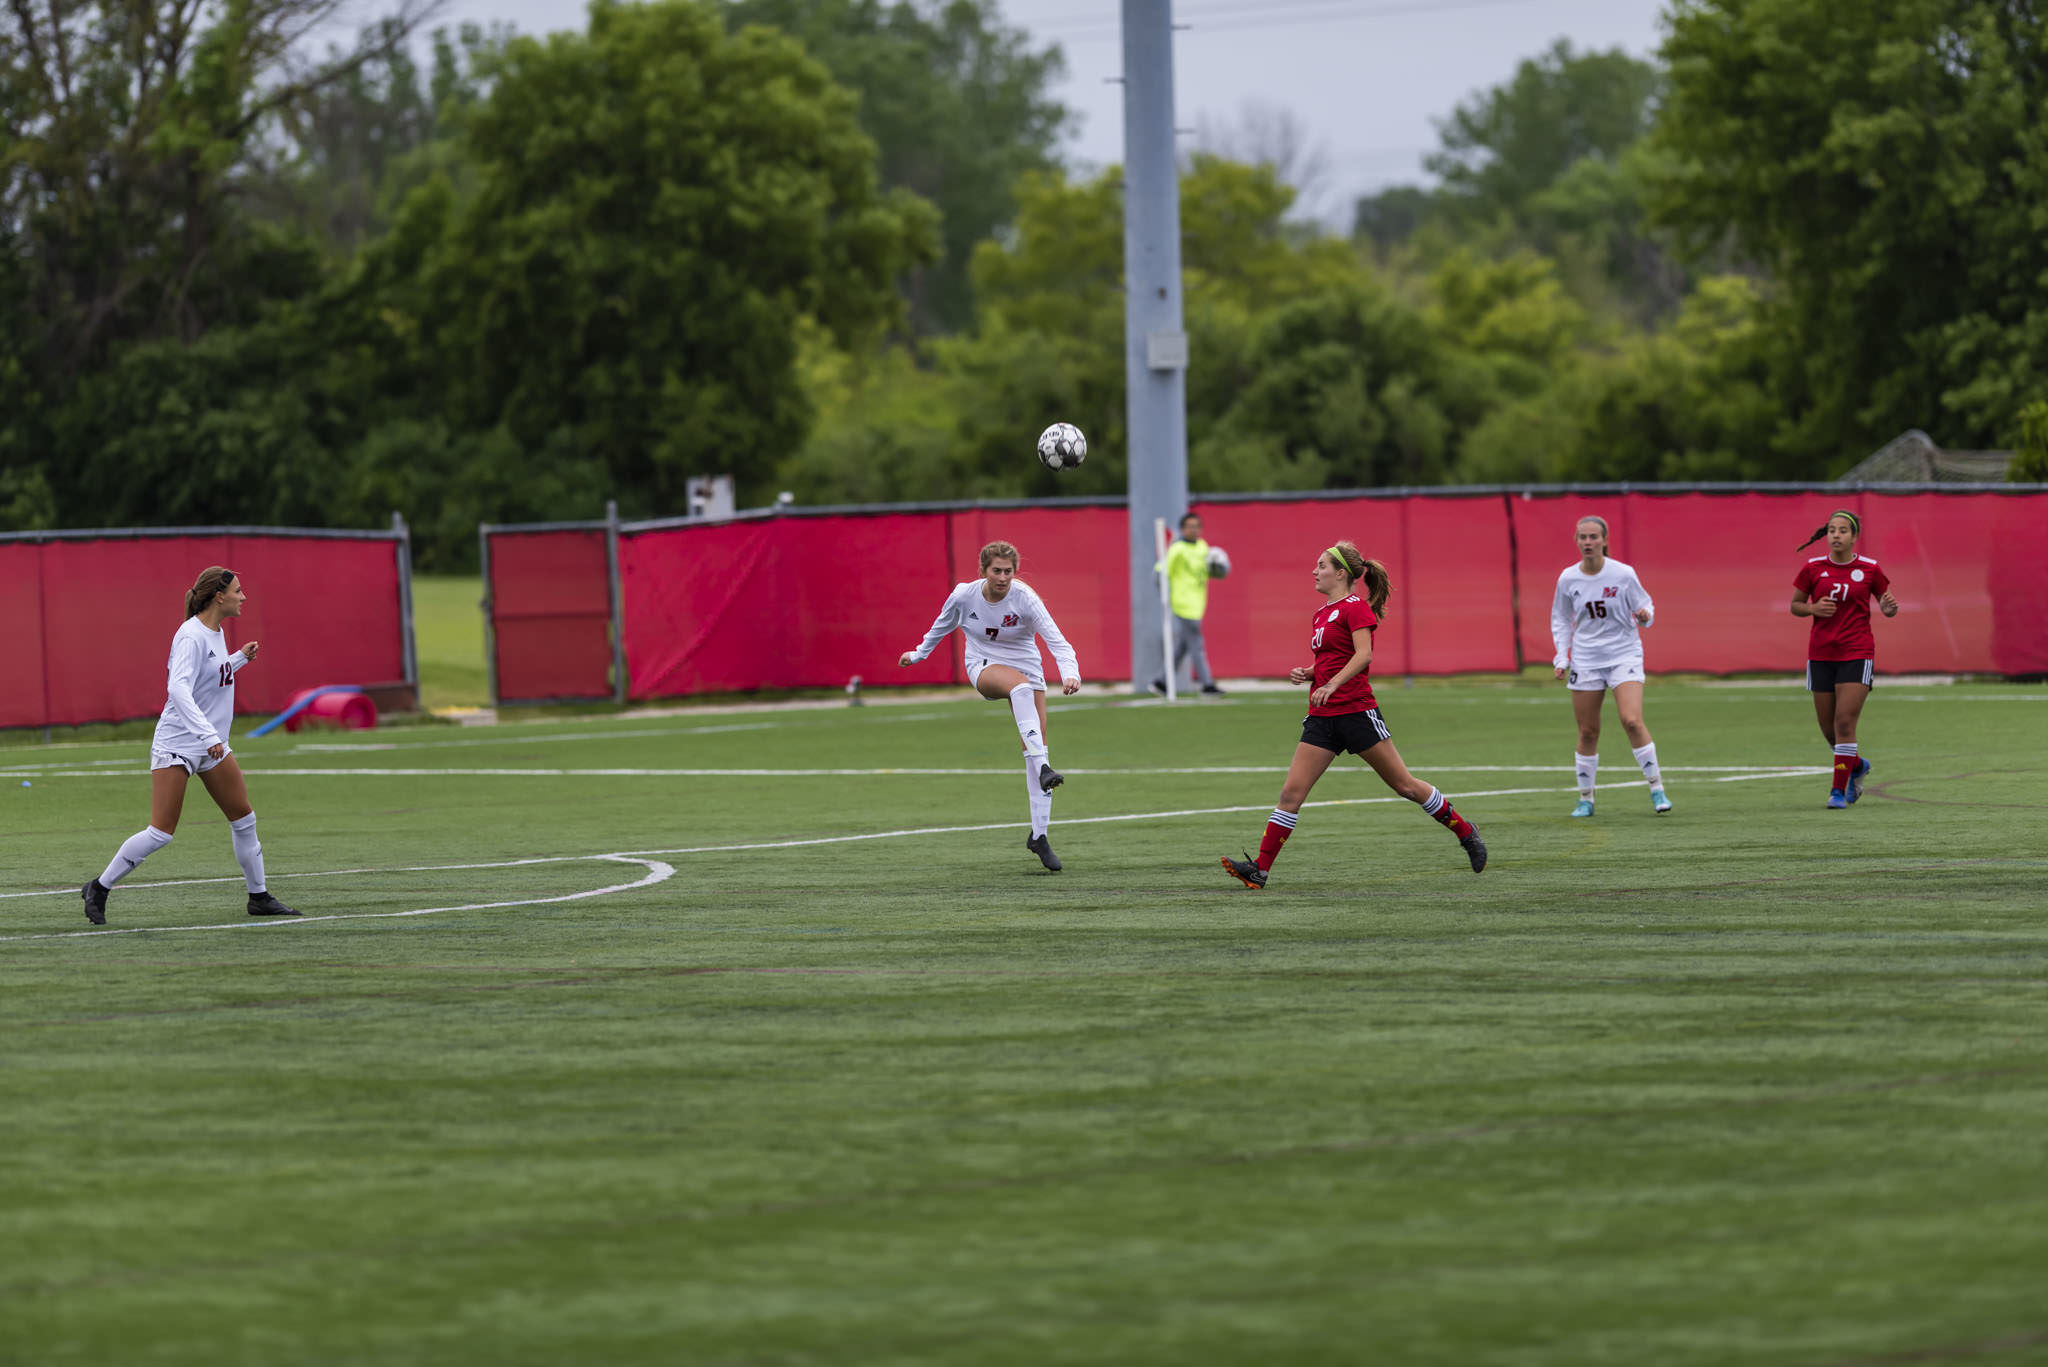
1010,619
1857,575
1611,591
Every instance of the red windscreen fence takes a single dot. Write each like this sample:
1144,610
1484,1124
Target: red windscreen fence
549,613
810,600
94,614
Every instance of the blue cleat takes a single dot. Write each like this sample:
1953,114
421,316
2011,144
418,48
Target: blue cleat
1856,779
1837,799
1585,807
1659,803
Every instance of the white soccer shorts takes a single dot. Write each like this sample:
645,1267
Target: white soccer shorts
1598,677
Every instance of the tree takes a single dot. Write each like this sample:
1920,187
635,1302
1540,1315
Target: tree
658,207
1508,144
123,123
958,105
1272,135
1884,165
345,154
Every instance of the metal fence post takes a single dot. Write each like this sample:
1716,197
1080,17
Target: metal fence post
483,537
407,633
618,600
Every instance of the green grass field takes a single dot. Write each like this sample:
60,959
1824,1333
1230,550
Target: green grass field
757,1037
448,632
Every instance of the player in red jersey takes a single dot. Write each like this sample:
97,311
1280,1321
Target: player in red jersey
1342,713
1836,591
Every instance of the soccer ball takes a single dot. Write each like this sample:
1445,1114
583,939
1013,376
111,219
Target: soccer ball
1062,447
1219,563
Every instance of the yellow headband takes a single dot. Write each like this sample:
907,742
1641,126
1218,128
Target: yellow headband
1337,559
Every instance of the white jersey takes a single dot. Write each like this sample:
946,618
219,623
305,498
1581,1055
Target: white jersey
1001,633
201,686
1592,618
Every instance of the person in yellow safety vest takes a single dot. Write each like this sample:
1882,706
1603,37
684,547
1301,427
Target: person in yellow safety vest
1188,571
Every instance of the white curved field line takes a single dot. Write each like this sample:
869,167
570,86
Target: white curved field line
657,872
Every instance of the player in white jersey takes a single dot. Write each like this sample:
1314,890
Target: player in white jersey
1596,622
192,738
1003,620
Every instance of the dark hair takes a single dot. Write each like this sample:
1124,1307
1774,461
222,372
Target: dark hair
1855,525
1377,583
1185,516
213,581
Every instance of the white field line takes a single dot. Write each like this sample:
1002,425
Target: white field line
657,872
894,772
647,856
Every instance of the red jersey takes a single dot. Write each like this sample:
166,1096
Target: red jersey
1336,628
1846,635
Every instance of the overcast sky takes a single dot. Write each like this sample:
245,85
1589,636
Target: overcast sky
1363,78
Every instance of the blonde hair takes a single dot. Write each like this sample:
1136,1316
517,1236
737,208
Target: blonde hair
1354,564
212,581
999,550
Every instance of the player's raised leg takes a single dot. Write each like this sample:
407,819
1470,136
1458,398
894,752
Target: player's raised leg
1386,762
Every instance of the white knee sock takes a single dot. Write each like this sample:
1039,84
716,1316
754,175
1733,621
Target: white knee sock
1025,710
1585,767
248,851
134,850
1646,760
1041,801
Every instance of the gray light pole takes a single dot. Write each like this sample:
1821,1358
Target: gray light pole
1155,345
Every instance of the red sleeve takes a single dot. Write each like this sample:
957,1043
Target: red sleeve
1880,582
1803,581
1361,617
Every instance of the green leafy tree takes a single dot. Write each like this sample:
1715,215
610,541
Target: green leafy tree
2030,459
959,106
347,152
1506,145
658,207
1692,402
1884,164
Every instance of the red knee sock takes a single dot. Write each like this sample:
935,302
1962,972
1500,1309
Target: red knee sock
1279,826
1439,806
1845,766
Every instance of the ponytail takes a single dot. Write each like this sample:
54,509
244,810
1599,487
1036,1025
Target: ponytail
1855,525
1354,564
213,580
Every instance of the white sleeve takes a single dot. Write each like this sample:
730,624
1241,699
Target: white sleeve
1049,632
943,625
188,658
238,661
1561,614
1642,598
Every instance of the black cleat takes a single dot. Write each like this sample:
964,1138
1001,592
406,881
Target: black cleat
95,902
1246,871
1475,850
1048,778
263,904
1159,686
1041,846
1212,690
